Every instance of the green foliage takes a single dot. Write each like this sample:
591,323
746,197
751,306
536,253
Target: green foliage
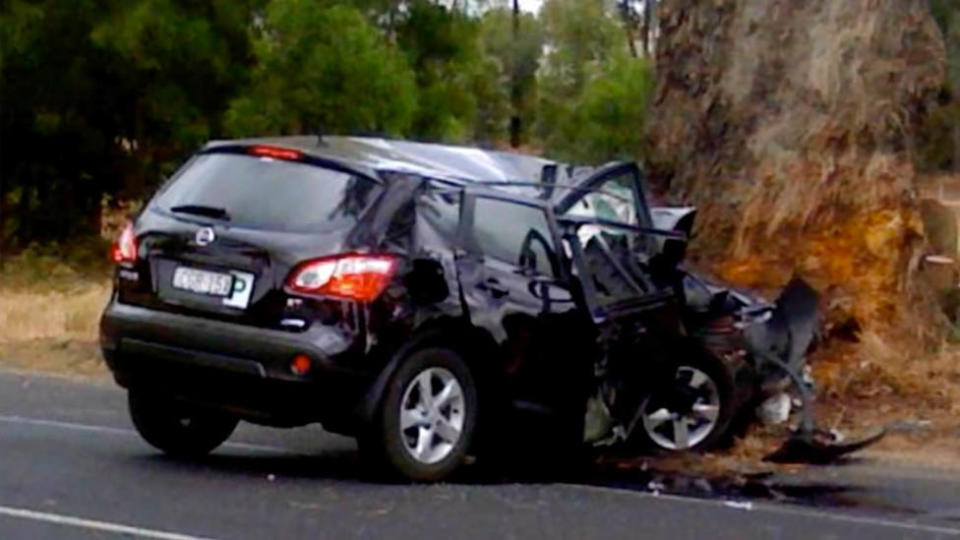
181,61
593,95
607,119
580,33
516,61
56,155
443,47
323,69
938,136
106,96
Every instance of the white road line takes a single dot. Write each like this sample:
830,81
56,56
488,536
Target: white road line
103,526
121,431
797,511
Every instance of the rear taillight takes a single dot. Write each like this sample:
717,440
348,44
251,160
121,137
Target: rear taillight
355,277
124,249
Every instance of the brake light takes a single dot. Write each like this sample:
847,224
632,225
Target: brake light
354,277
274,152
124,249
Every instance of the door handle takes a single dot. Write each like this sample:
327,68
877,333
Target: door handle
494,288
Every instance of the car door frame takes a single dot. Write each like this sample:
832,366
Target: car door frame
562,268
592,181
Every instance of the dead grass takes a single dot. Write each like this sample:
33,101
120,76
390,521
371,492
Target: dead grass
29,315
50,309
53,331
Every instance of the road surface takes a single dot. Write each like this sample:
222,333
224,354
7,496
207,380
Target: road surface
72,467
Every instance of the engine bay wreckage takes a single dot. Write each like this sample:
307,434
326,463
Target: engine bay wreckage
604,332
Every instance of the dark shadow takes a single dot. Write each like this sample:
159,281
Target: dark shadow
345,465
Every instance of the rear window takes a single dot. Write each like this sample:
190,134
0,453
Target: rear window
269,194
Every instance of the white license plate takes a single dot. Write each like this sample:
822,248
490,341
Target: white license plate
202,281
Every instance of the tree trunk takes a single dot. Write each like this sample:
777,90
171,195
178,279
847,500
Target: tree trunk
790,125
647,25
955,135
515,92
626,15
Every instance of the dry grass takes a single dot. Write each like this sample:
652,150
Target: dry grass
53,331
28,315
50,310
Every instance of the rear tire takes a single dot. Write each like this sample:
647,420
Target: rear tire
176,428
427,417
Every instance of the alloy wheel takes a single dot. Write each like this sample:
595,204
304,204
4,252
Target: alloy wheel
432,415
682,427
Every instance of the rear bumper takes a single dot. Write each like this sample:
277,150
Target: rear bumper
240,368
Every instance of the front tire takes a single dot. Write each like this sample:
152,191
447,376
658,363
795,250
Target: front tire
427,417
692,412
176,428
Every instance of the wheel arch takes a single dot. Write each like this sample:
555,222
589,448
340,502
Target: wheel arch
476,346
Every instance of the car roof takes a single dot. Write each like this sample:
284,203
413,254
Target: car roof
456,164
493,170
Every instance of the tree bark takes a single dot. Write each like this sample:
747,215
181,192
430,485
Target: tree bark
955,135
790,125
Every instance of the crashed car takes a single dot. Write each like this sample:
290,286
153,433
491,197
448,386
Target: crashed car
434,302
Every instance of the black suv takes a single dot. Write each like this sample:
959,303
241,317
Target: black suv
431,301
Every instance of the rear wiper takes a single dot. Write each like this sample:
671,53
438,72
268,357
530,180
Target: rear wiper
201,210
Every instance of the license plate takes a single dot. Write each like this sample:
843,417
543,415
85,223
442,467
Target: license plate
203,282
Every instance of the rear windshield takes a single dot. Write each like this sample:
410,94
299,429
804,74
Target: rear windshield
269,194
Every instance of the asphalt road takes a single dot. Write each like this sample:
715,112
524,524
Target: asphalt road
71,466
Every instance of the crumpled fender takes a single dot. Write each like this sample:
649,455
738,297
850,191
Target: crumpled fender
792,326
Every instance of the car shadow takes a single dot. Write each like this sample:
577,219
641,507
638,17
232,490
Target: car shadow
346,465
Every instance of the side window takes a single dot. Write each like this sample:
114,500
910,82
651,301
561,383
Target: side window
514,233
616,200
438,213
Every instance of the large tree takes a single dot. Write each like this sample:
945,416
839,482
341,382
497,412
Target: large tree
791,124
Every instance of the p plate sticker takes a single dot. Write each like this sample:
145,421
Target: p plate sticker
242,289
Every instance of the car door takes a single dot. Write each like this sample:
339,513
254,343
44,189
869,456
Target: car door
516,285
614,193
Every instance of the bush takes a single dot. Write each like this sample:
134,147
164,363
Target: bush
606,121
